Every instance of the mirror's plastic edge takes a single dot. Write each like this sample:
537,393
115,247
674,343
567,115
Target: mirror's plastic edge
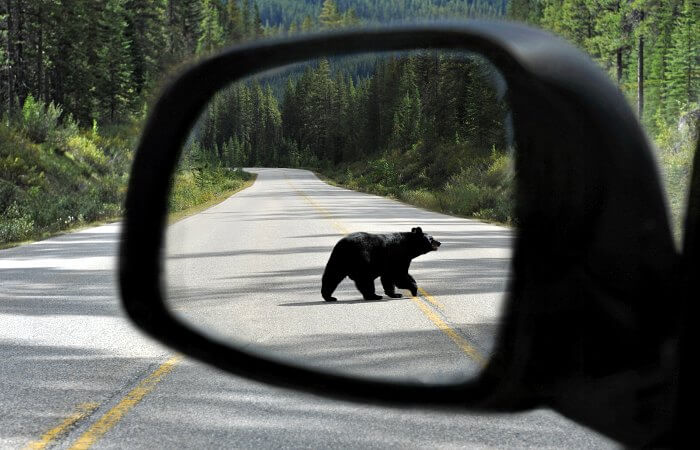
520,53
155,160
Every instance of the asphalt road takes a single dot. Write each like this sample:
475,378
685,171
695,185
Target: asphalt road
74,372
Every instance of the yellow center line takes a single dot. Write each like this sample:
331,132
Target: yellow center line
323,211
457,338
431,299
449,331
82,411
114,415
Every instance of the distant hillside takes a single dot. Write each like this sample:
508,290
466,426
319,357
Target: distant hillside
276,12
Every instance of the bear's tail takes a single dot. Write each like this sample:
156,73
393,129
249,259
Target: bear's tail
332,276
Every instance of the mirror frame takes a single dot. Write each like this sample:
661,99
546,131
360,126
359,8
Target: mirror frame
559,99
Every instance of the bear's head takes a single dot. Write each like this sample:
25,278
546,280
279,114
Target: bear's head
425,242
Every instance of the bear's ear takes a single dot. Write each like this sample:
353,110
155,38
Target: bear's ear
416,230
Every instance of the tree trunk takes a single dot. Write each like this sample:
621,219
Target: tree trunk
20,86
40,56
10,56
640,76
619,66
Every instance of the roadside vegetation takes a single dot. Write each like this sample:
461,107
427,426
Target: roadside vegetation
480,190
197,189
55,176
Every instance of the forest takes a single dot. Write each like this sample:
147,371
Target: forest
426,127
651,50
74,94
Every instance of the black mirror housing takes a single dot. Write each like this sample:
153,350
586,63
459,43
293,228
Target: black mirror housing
583,330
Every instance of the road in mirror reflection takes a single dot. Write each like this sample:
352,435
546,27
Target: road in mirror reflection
429,128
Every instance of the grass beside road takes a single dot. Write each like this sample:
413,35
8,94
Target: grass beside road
482,190
194,191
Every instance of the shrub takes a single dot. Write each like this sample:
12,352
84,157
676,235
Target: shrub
84,150
15,224
39,120
193,187
422,198
58,139
676,148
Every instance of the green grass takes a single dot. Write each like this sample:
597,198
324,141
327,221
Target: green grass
69,180
59,178
482,190
189,197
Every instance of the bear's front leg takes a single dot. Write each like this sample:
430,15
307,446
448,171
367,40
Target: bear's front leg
388,285
366,287
407,282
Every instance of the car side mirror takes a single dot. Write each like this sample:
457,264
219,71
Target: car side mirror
584,332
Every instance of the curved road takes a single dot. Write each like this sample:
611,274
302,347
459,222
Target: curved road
75,373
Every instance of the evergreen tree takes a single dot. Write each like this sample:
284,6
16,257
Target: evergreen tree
307,25
235,29
257,26
190,24
114,64
246,19
146,33
211,34
683,72
329,17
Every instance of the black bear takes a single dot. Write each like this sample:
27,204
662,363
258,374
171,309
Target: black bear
364,257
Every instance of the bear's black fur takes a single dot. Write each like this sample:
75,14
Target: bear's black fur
364,257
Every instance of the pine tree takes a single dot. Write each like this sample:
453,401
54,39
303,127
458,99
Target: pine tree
329,18
146,32
235,25
246,19
113,67
349,18
683,72
211,34
190,23
307,25
611,35
258,30
521,10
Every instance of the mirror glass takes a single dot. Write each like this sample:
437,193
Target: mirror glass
304,193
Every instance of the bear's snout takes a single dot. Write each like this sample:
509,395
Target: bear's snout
436,244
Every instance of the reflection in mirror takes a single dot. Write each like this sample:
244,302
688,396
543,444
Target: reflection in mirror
425,132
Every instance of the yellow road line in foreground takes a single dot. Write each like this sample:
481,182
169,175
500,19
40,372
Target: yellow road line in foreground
449,331
430,298
114,415
82,411
457,338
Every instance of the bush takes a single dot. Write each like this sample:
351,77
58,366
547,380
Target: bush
58,139
39,120
85,151
477,186
194,187
676,148
15,224
64,181
422,198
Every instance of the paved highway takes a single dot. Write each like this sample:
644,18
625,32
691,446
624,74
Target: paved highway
74,373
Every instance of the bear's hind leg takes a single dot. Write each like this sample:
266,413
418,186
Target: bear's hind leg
388,285
366,286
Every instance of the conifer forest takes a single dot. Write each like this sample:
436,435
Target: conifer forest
429,128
